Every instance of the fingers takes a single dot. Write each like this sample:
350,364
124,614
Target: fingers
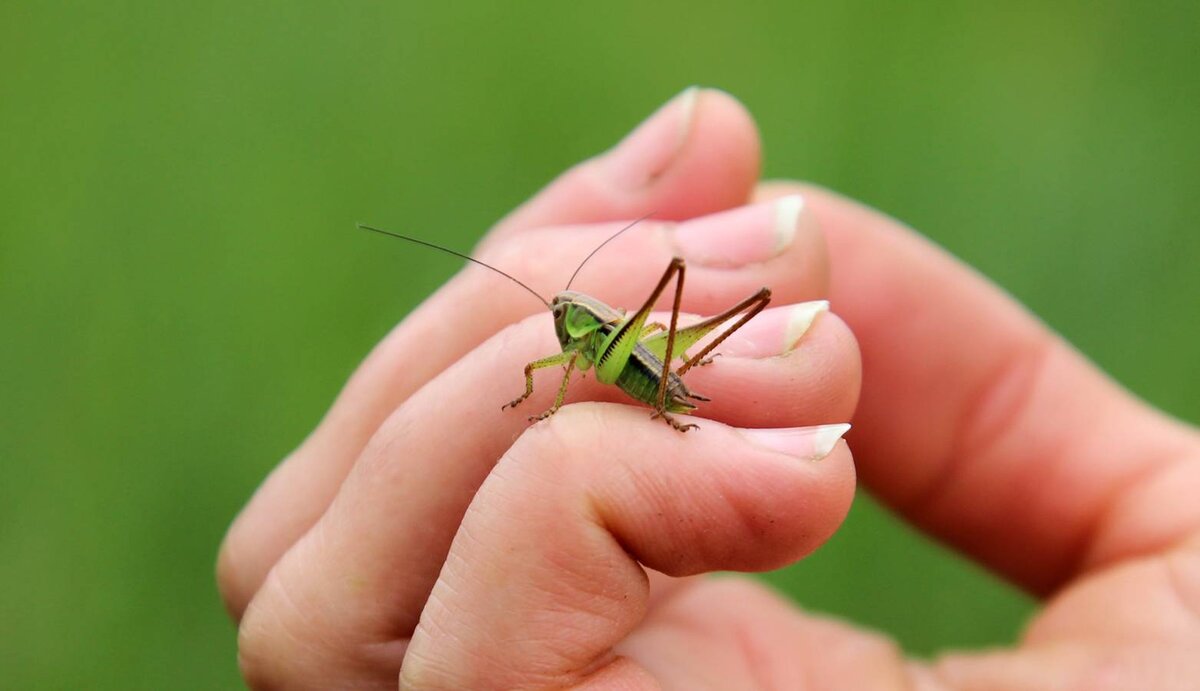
984,427
734,253
354,586
719,633
543,578
1135,626
1145,666
696,155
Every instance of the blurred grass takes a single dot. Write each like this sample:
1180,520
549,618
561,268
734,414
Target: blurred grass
181,296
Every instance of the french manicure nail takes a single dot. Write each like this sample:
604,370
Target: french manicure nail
648,151
787,218
741,236
774,331
800,320
805,443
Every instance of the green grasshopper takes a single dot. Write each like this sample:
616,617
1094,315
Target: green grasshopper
625,350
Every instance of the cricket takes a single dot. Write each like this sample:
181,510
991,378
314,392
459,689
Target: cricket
626,351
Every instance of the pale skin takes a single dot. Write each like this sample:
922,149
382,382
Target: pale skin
423,538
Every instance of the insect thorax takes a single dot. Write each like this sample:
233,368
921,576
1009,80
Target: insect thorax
579,318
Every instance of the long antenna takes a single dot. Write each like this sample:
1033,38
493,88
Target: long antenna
459,255
601,246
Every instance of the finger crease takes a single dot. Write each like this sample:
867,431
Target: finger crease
1116,504
987,416
1183,573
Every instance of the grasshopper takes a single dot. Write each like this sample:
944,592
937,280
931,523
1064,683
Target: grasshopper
625,350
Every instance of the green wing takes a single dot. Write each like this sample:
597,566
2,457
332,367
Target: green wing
685,337
615,351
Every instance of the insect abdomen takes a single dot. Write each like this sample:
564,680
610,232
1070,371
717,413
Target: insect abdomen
641,377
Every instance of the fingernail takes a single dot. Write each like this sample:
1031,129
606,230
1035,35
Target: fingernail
805,443
800,320
774,331
746,235
648,151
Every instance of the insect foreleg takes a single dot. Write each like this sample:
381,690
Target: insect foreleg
560,359
562,388
652,327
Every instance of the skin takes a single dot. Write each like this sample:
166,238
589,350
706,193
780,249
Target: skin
397,545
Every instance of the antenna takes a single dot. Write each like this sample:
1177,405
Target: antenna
464,256
614,236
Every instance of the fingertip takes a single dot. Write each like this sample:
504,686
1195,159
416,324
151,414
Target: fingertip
550,559
697,154
722,116
831,208
720,161
775,374
719,498
229,582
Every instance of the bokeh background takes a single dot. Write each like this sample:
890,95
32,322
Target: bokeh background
182,293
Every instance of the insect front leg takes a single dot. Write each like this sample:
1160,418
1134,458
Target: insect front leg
652,327
560,359
562,389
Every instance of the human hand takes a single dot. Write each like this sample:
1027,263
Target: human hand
346,562
983,428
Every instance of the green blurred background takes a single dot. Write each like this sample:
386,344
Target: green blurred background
181,293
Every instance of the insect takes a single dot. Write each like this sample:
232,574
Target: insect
624,349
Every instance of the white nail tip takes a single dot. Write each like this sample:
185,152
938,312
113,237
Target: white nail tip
787,217
825,437
805,443
687,110
800,320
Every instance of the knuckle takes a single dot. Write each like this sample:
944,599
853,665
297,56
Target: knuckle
552,449
258,666
523,340
230,578
994,419
517,335
278,641
527,258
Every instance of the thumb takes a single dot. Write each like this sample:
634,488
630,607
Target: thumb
544,577
986,429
